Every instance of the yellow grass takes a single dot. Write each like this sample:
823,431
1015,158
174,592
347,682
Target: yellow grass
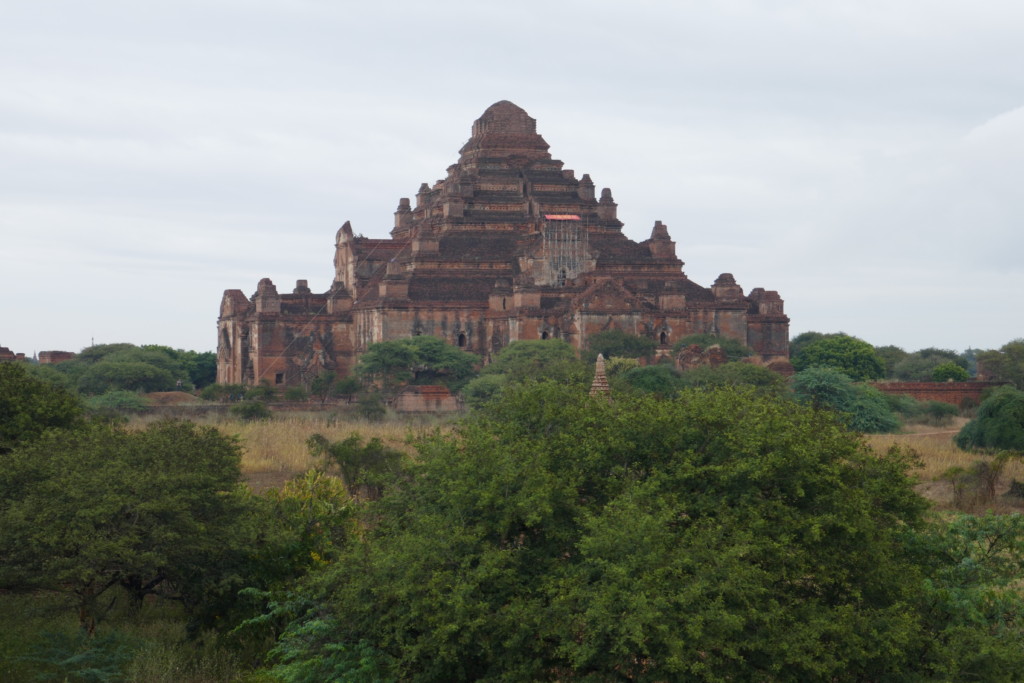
274,451
938,456
938,452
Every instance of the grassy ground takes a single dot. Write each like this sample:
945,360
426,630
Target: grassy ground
939,455
274,451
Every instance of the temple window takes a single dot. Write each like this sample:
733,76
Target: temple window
462,340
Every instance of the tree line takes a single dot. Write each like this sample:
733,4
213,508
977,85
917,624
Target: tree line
718,530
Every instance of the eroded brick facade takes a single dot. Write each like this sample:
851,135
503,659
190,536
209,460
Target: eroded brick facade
509,245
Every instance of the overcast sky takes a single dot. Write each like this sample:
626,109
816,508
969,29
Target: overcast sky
865,158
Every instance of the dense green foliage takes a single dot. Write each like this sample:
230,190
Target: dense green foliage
949,371
1006,364
736,374
116,401
718,536
920,366
853,357
890,357
29,406
417,360
364,468
88,509
998,424
734,350
663,381
522,361
619,344
126,367
250,411
861,408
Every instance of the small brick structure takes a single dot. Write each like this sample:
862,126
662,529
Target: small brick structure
426,399
54,357
954,393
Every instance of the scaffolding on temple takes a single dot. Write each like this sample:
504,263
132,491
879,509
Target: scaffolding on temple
565,247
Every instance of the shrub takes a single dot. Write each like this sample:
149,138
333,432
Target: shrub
949,370
250,411
118,400
853,357
296,394
372,407
999,422
861,408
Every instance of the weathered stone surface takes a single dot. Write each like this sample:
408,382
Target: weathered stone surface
509,245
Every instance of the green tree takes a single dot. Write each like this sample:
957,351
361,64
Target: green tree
720,536
998,424
364,468
29,406
797,343
949,371
323,386
107,375
736,375
660,380
482,389
251,411
734,350
889,355
539,359
919,366
619,344
525,361
420,360
116,401
1006,364
88,509
853,357
861,408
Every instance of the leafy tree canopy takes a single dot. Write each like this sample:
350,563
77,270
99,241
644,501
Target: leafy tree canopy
797,343
734,350
87,509
949,370
998,424
619,344
553,359
851,356
29,406
661,380
920,366
1006,364
107,375
106,367
736,374
420,360
889,355
861,408
719,536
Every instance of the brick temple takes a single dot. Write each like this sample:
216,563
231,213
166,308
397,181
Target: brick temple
508,246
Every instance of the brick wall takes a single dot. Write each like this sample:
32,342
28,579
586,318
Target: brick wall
947,392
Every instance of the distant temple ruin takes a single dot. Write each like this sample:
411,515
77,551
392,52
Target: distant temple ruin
508,246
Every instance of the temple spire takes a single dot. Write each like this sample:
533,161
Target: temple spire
600,384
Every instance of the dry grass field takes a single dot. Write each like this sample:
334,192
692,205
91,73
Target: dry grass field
274,451
938,454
